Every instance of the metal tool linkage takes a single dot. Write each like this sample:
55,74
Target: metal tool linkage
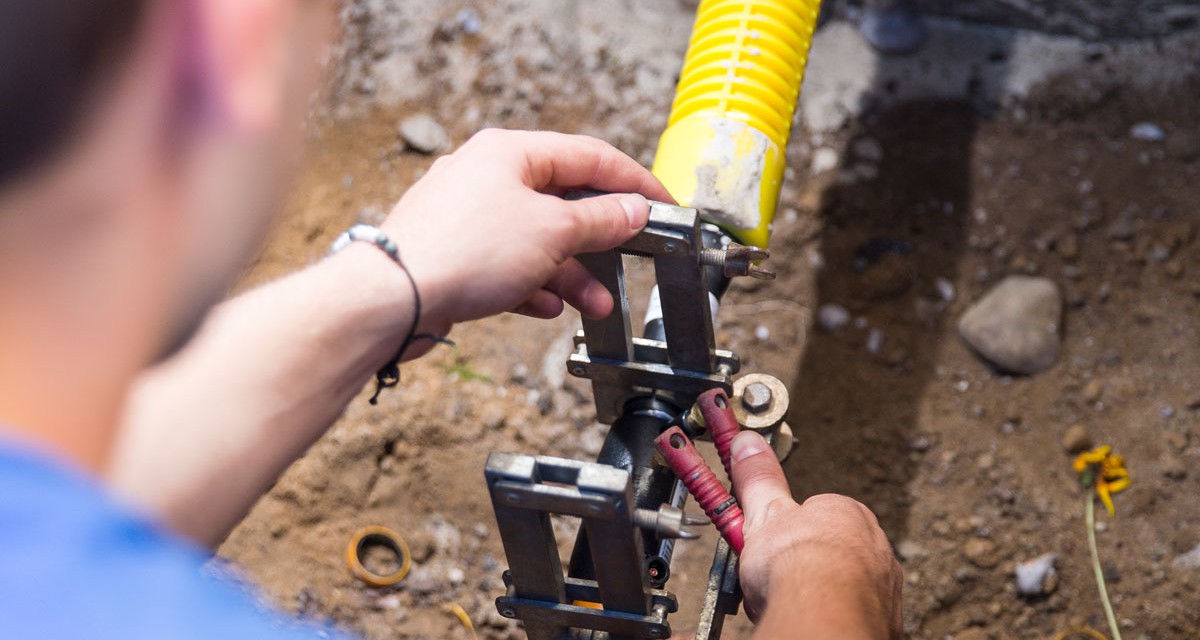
622,367
525,491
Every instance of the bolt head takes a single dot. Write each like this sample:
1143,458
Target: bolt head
657,632
756,398
670,247
508,613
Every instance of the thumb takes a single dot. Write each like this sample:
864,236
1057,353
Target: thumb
758,479
603,222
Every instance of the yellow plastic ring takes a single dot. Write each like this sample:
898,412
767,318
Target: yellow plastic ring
384,537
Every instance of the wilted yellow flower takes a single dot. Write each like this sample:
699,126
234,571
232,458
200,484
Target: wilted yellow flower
1103,472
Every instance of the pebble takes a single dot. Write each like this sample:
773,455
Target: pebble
1147,131
1093,390
1015,325
945,289
824,159
910,550
762,333
1076,439
874,341
981,552
1037,577
832,317
1177,440
423,133
1189,560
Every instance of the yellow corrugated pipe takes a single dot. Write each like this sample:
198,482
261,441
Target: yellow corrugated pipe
723,149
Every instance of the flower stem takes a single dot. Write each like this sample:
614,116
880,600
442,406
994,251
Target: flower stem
1091,527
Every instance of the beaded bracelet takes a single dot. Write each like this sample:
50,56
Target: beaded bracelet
389,375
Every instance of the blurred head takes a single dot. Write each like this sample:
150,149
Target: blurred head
145,145
169,123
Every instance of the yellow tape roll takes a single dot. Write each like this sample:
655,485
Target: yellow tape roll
723,149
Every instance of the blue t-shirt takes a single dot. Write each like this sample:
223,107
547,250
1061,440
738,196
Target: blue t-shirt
76,564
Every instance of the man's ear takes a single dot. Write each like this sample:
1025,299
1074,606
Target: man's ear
242,51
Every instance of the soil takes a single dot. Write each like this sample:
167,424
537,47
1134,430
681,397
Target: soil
963,465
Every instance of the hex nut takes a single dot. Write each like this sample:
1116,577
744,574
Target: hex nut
757,397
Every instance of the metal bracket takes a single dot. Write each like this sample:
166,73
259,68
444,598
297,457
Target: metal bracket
688,363
525,491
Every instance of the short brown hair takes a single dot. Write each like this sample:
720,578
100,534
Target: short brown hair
52,57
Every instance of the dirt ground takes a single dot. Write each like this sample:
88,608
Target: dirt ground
964,466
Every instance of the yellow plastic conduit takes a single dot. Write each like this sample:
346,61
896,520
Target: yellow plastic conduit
723,149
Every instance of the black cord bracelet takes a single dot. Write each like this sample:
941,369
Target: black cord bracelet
389,375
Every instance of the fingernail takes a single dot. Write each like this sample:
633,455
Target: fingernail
637,210
746,444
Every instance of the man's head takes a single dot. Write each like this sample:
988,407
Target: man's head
146,143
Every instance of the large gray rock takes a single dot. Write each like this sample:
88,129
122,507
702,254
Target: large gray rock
1015,327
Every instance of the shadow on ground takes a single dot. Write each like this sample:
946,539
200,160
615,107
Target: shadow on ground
886,241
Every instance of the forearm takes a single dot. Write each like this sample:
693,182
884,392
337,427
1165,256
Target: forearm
207,432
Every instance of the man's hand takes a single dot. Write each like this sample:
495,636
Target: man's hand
820,569
486,230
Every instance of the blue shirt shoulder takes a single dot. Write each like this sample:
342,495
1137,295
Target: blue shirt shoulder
75,564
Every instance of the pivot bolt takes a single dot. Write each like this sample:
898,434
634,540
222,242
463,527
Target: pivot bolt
756,397
508,613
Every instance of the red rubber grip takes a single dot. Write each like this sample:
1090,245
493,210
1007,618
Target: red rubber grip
722,424
702,483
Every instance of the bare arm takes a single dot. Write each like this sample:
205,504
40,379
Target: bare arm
823,569
207,432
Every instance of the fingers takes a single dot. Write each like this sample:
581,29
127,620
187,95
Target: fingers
758,479
599,223
541,304
560,161
578,288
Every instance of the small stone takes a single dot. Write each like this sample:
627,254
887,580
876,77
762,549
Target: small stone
874,341
1093,390
981,552
1076,439
1015,326
945,289
1037,577
824,159
910,550
1189,560
1147,132
832,317
762,333
1177,440
422,133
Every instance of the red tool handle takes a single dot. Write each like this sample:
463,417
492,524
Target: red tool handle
722,423
702,483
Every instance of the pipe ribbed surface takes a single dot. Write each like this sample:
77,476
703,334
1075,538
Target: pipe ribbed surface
724,144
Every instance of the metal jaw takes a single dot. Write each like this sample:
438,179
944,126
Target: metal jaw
622,367
525,490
